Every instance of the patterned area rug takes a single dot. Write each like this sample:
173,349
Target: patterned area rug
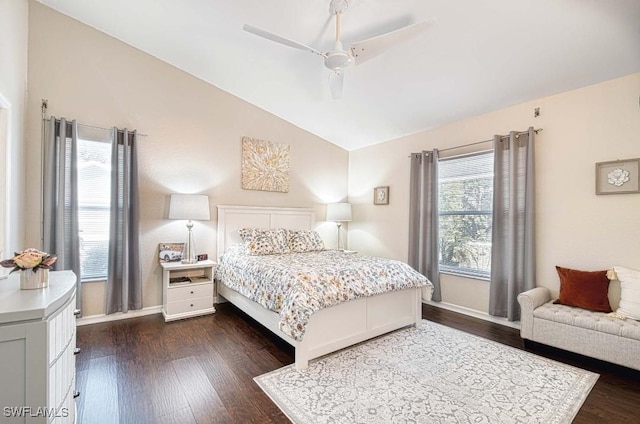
431,374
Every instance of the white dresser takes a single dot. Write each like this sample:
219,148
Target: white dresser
37,343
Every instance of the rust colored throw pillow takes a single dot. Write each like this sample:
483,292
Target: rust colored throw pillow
584,289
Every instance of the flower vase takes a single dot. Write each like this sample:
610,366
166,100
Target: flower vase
30,280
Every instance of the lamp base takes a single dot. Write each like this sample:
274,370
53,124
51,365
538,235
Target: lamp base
339,224
189,249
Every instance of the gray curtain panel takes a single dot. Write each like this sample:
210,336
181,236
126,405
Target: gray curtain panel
60,198
423,218
124,281
513,245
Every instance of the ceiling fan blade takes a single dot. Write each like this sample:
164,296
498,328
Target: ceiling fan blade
367,49
279,39
336,82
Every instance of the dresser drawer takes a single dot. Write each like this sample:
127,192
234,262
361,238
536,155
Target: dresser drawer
62,329
190,291
190,305
62,378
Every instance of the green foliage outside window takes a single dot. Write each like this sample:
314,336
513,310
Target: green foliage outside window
465,202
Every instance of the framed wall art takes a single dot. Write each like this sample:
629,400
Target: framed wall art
618,176
265,165
381,195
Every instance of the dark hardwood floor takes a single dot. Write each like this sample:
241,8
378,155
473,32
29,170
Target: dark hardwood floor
201,370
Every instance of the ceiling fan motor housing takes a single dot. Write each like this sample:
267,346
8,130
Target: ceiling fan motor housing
337,60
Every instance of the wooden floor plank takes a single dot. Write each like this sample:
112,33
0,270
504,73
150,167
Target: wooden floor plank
181,416
100,396
167,395
201,370
237,392
203,399
134,392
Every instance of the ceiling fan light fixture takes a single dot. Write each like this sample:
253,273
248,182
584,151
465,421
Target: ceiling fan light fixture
337,60
336,82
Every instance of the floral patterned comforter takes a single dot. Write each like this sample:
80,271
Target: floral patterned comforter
297,284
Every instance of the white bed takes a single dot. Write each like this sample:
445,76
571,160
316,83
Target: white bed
329,329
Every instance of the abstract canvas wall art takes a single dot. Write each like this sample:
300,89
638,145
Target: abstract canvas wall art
265,165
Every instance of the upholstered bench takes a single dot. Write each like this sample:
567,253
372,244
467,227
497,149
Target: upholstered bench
579,330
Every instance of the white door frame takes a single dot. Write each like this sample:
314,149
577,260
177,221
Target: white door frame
5,149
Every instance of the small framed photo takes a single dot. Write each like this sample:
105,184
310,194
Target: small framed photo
170,252
203,257
618,176
381,195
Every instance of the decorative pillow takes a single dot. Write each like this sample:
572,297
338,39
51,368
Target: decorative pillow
305,241
264,241
584,289
629,292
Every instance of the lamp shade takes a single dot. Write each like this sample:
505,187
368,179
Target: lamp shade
189,206
339,212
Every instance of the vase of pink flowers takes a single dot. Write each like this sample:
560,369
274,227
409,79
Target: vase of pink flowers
34,266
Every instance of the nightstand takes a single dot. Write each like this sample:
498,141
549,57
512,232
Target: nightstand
187,289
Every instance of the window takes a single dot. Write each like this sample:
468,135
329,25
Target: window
94,177
465,213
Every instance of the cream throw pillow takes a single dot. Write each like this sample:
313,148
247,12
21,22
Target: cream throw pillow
629,292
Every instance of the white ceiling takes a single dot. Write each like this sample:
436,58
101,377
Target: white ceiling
477,56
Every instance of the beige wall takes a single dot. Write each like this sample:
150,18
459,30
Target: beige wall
575,228
193,143
13,88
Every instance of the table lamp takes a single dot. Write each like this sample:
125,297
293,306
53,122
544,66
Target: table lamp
339,213
189,207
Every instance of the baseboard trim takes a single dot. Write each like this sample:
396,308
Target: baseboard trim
473,313
95,319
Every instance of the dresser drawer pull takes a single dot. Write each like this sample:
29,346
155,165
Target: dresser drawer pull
76,394
192,305
191,292
76,350
76,312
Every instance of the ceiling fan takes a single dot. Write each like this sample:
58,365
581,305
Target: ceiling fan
338,59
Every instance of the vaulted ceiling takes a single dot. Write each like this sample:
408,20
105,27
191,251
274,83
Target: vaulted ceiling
475,56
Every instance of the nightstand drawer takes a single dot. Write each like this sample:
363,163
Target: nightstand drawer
190,291
190,305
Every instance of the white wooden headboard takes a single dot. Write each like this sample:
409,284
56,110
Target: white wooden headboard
232,218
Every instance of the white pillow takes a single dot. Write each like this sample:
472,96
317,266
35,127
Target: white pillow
629,292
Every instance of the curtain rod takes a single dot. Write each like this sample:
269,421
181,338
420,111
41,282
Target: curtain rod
44,111
101,128
537,130
108,129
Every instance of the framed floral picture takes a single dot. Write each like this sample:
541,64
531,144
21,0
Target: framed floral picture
618,176
381,195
